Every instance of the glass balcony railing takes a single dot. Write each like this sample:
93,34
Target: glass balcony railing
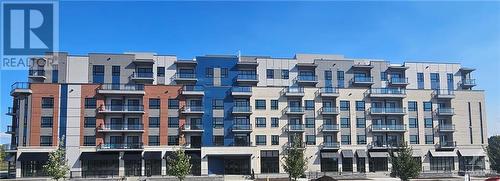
123,87
193,88
296,127
447,144
329,110
386,91
36,72
331,144
185,76
295,109
398,80
20,85
445,111
469,82
389,127
247,76
112,146
384,144
294,90
446,127
241,89
330,127
242,109
363,79
443,92
121,108
387,110
329,90
118,127
188,109
242,127
193,127
142,75
308,78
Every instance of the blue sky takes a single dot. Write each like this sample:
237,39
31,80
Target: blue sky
463,32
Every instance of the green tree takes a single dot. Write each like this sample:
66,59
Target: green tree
494,152
178,164
294,162
404,166
57,165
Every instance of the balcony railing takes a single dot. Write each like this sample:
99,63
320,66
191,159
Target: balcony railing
116,146
20,87
330,127
328,90
307,78
294,110
192,88
242,109
36,73
10,111
398,80
445,111
296,127
247,77
446,144
123,87
468,82
329,110
388,91
389,127
192,109
387,110
331,145
183,76
142,75
383,144
446,127
294,90
443,93
10,130
121,108
122,127
242,127
363,79
193,127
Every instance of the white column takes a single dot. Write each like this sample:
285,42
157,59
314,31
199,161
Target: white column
354,164
143,166
18,169
121,168
163,164
340,163
204,164
367,165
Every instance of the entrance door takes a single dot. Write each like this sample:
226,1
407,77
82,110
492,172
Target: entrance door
328,139
237,165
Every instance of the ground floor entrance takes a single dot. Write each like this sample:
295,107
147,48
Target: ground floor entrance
229,165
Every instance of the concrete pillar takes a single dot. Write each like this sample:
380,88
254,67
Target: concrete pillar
143,166
204,165
121,166
455,162
340,163
426,163
18,169
389,165
163,164
354,164
367,165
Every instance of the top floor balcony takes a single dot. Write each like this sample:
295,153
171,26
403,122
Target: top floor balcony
468,83
142,76
362,81
245,91
328,92
445,111
11,111
36,74
121,89
397,81
443,94
307,79
247,78
387,92
193,90
20,88
185,77
362,65
185,63
293,91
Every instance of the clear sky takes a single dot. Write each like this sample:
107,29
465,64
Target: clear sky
463,32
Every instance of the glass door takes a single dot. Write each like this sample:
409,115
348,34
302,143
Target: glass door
116,104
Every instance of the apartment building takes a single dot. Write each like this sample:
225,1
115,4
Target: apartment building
123,114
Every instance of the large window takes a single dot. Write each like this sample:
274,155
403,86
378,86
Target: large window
361,139
154,103
173,140
340,79
45,140
260,139
270,73
269,161
115,71
209,72
223,72
309,104
173,104
154,122
275,122
345,123
412,106
98,73
310,139
345,139
89,122
153,140
420,80
284,74
47,102
435,81
275,139
442,163
260,122
429,139
218,140
218,122
274,104
413,123
360,123
46,122
160,71
344,105
427,106
90,103
260,104
413,139
173,122
328,75
383,76
88,140
360,105
310,123
428,122
217,104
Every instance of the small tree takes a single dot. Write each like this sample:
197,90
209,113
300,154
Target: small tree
294,162
404,165
57,165
494,152
178,164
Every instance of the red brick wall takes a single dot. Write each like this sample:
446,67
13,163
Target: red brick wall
90,91
39,91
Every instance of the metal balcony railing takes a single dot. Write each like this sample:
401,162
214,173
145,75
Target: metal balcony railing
389,127
238,109
124,127
330,127
446,144
123,87
241,89
446,127
121,108
20,85
445,111
308,78
443,93
328,90
36,72
194,127
142,75
193,88
468,82
387,91
329,110
11,129
247,76
362,79
10,111
295,90
294,110
331,145
124,146
185,76
242,127
296,127
383,144
387,110
398,80
189,109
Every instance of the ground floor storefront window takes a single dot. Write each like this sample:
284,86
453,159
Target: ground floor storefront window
32,169
269,161
378,164
100,168
471,163
329,162
360,163
152,167
347,164
442,163
133,167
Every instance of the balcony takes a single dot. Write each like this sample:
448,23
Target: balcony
193,90
192,110
300,145
185,77
20,88
446,127
443,94
242,128
468,83
142,76
143,61
36,74
384,145
387,111
247,64
120,147
121,89
186,63
247,78
11,130
389,128
121,128
192,128
241,91
396,81
330,146
329,110
362,65
307,79
330,128
387,93
363,81
446,145
10,111
296,128
293,91
328,92
242,110
445,111
123,109
294,110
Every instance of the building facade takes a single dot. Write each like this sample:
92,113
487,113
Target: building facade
123,114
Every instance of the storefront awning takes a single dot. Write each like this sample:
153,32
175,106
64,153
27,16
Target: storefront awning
329,155
33,156
361,153
152,155
379,154
98,156
443,153
472,152
347,154
132,156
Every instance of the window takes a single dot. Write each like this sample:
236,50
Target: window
218,122
344,105
173,104
98,73
154,140
310,140
345,139
412,106
154,122
413,139
160,71
260,104
88,140
223,72
173,140
428,122
383,76
260,122
340,79
309,104
360,123
413,122
328,75
115,70
45,140
90,103
89,122
217,104
275,139
360,105
274,104
260,139
154,103
219,140
435,81
47,102
46,122
284,74
420,80
309,122
361,139
429,139
427,106
209,72
275,122
270,73
345,123
173,122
